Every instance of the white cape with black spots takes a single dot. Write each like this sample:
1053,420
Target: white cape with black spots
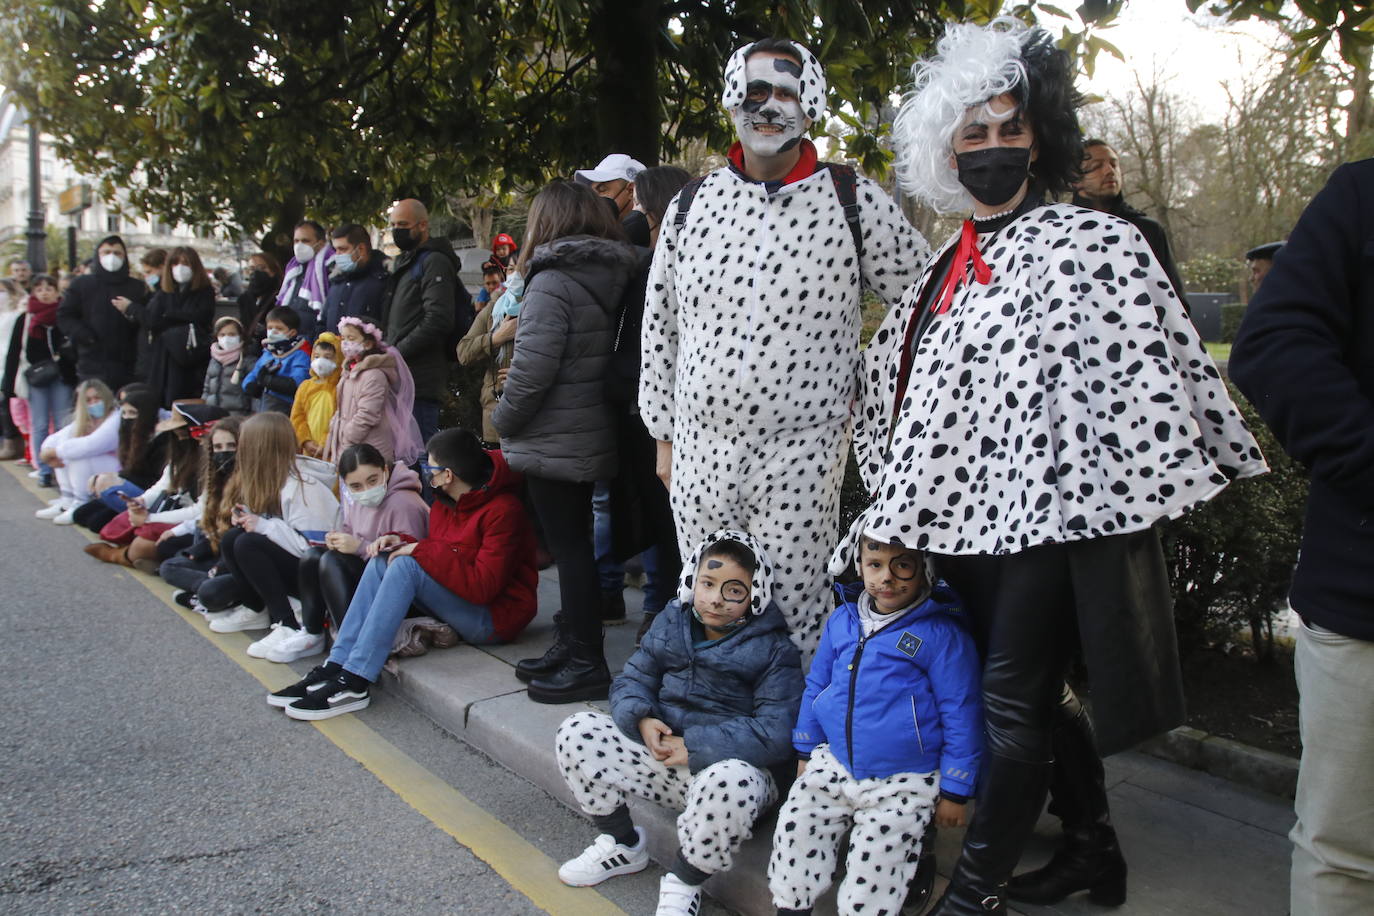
1070,398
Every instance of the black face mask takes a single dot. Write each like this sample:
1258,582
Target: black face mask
261,281
224,461
404,238
993,175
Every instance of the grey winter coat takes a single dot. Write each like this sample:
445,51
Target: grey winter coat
222,391
736,698
553,417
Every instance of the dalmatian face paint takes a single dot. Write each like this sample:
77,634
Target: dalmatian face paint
770,120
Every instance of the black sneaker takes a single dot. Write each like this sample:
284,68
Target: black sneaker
312,682
187,599
330,699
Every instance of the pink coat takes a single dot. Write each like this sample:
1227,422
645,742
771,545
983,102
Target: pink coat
364,388
401,512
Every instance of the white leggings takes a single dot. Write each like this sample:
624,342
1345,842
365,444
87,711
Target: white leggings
74,477
719,805
888,816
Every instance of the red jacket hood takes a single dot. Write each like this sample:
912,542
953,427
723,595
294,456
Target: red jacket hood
503,480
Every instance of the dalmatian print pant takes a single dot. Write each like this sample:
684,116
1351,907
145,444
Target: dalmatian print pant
785,491
719,804
888,816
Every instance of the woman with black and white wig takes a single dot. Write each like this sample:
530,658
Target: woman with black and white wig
1033,407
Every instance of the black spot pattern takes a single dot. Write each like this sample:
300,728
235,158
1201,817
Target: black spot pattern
1071,398
750,356
603,768
886,819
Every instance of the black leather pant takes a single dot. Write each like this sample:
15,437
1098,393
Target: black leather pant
1022,609
328,580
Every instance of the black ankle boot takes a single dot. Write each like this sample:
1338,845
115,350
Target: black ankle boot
1011,795
527,669
612,608
584,676
1089,857
1089,860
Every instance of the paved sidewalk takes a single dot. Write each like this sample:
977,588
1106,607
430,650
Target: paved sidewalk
1196,844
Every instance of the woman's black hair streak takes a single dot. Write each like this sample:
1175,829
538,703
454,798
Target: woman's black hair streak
1050,103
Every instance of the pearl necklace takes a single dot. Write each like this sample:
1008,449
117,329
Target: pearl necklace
992,216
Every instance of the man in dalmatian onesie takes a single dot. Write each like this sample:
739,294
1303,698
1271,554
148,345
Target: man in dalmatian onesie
751,329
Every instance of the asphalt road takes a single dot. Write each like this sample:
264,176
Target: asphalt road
142,771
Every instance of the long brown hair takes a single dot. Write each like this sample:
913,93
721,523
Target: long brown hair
266,458
184,254
566,208
136,436
214,486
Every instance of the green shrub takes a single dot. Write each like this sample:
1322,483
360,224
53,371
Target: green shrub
1211,273
1231,314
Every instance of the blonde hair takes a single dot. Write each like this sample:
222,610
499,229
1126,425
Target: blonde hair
85,424
266,459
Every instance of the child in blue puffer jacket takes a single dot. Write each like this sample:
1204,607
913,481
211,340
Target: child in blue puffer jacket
890,734
701,712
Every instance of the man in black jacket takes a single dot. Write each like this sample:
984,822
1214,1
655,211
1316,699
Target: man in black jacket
358,285
1305,356
1100,189
95,314
422,313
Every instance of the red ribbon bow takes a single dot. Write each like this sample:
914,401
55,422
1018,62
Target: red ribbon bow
966,253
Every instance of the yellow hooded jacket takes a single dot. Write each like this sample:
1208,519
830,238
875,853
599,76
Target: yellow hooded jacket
315,402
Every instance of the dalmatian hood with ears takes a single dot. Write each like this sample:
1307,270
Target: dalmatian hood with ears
848,553
760,585
812,82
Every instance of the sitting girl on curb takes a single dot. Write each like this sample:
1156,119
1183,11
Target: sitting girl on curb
81,450
475,571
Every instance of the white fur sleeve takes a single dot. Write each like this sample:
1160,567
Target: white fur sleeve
659,344
894,252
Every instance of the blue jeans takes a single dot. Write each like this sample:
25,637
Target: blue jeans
49,405
611,573
426,414
657,592
379,605
110,496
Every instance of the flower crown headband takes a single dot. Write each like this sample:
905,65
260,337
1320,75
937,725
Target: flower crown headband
366,327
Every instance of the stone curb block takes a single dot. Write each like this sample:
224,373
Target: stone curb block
1252,767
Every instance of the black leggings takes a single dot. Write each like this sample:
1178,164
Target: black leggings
93,515
565,512
263,569
328,580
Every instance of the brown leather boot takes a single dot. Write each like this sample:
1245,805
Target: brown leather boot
109,553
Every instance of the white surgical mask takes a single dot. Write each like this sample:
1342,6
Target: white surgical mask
229,342
772,126
181,273
111,261
323,367
370,498
303,252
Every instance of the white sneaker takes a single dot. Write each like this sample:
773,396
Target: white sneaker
295,644
677,898
65,517
276,634
604,859
240,618
34,474
54,508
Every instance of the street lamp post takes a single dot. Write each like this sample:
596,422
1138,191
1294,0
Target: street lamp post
38,250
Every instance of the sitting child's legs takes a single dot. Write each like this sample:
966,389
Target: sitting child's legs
603,768
723,802
888,817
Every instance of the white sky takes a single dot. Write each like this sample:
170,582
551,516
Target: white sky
1194,53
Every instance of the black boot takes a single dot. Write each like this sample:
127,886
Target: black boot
584,676
612,608
923,882
1089,858
555,657
1009,801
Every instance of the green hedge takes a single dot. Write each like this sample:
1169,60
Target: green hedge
1231,313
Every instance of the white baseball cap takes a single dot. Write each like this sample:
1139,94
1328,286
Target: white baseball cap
616,166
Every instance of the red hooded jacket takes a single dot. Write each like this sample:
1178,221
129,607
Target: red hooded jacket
482,549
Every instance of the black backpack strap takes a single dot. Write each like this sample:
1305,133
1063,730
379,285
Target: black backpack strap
684,201
847,190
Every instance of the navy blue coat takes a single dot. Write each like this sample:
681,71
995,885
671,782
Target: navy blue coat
904,700
360,293
733,699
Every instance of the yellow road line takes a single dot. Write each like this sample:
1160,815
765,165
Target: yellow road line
522,865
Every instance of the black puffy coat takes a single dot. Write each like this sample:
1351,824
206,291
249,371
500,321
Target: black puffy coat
178,324
358,293
106,341
554,417
420,309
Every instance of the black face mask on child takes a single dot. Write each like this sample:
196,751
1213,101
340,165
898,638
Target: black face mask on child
224,462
